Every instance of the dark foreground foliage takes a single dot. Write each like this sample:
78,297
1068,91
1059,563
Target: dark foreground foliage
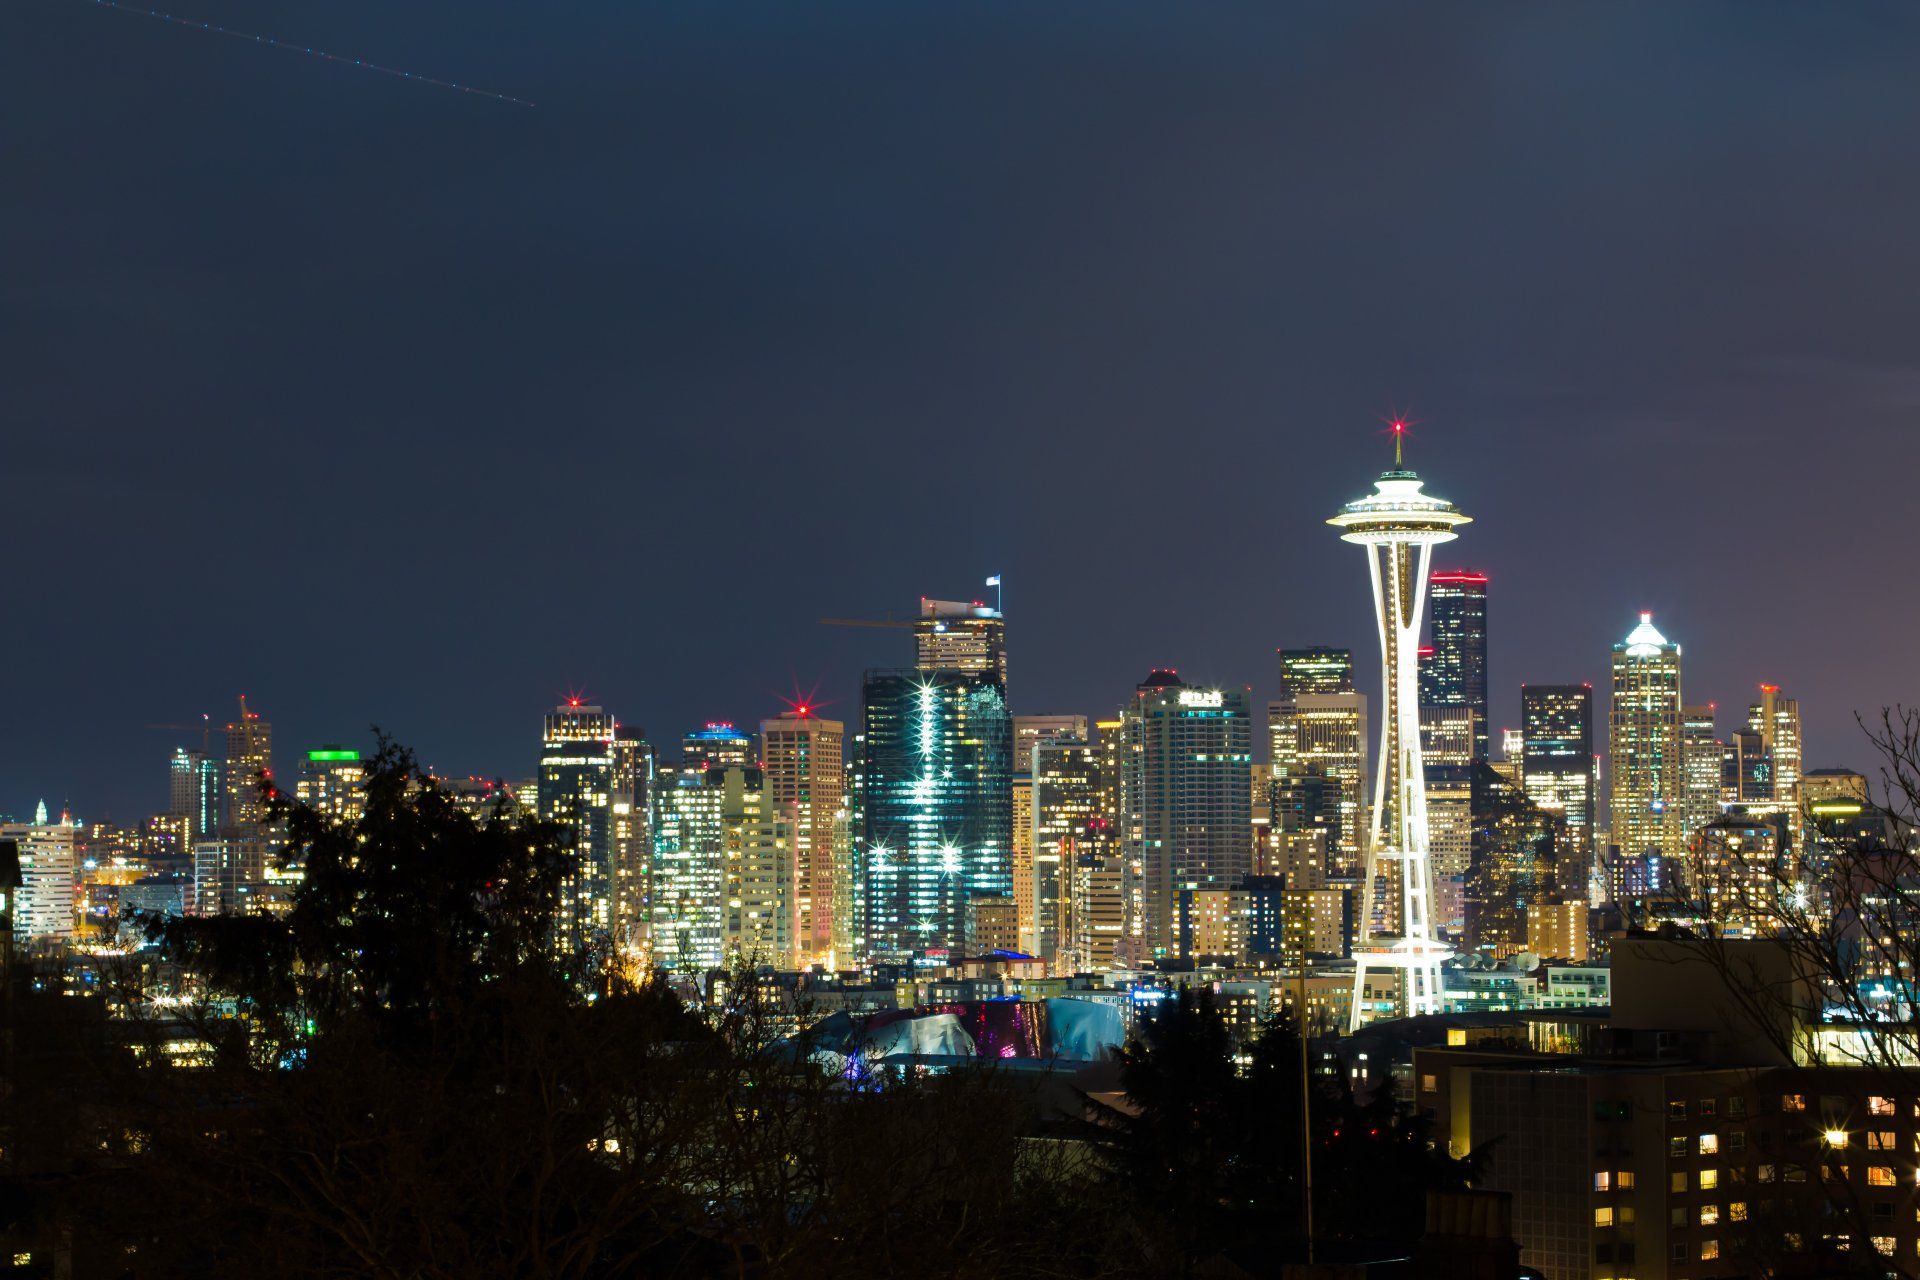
401,1080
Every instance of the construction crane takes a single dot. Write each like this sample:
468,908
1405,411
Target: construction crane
890,623
205,726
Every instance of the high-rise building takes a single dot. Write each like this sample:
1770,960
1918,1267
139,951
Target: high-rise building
1306,819
936,799
249,767
1186,797
333,782
1111,747
1031,730
1645,745
1702,760
723,879
43,906
1777,721
1026,922
1558,930
1746,773
804,757
230,872
761,920
1316,670
576,793
1068,824
1327,732
1398,526
1519,855
1456,673
1557,755
687,900
1449,736
954,635
195,794
717,744
630,805
1818,785
1734,873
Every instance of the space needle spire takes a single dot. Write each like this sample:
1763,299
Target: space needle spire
1398,526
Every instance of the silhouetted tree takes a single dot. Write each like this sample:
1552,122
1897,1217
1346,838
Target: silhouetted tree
1214,1150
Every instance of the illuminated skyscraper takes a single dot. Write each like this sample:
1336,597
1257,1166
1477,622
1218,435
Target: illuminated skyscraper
687,898
723,877
1186,797
1068,823
196,795
1317,670
1026,922
1029,730
1398,526
1456,673
333,781
631,840
1746,773
249,759
1734,872
1518,857
954,635
576,792
760,914
43,903
717,744
1701,763
1777,721
804,757
1557,755
1645,745
936,799
1327,732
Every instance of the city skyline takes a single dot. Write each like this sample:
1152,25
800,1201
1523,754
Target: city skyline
520,762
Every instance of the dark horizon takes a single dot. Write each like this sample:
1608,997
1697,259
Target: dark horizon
382,403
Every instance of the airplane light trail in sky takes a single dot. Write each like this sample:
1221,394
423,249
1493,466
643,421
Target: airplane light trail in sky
364,65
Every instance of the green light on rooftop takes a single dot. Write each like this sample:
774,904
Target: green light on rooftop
333,753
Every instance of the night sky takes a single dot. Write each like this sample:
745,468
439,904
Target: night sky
382,403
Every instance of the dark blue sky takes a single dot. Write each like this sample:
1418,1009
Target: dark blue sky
383,403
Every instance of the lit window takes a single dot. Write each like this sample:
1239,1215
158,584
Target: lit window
1677,1147
1879,1175
1676,1111
1880,1140
1603,1181
1709,1250
1677,1181
1709,1144
1878,1106
1793,1102
1603,1216
1737,1211
1884,1244
1709,1179
1429,1083
1709,1215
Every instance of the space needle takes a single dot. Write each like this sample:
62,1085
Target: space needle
1399,526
